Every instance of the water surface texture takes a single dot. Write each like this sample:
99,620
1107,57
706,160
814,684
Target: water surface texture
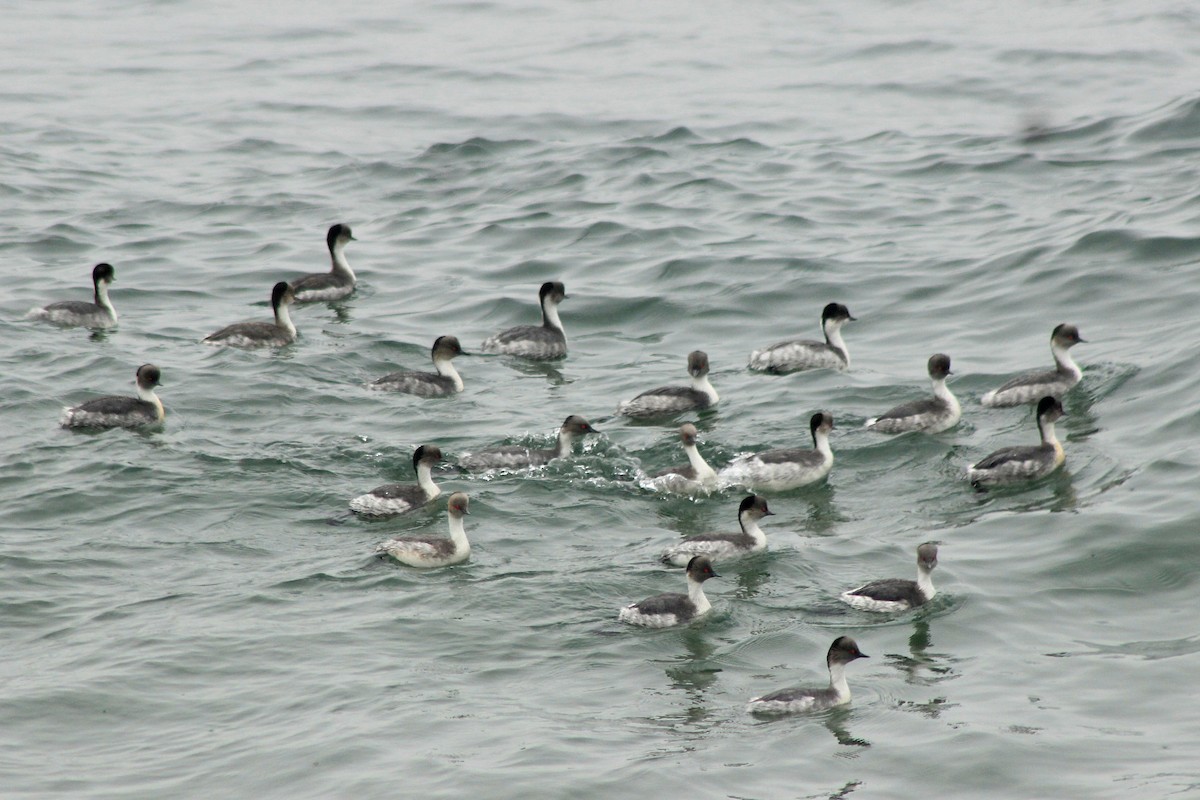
193,612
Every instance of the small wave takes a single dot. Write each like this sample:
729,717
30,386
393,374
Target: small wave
1181,121
475,147
1137,247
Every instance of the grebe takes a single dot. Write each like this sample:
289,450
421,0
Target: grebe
723,546
428,384
779,470
672,608
434,551
543,341
117,411
397,498
339,281
896,594
791,701
799,354
697,476
931,414
261,334
674,399
77,313
1033,386
515,456
1024,463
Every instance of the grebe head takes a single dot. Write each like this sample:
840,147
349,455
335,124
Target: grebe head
927,556
689,434
821,421
700,569
1065,336
447,347
338,235
1049,410
697,363
148,376
103,272
939,366
755,506
281,293
835,313
577,426
843,651
428,454
552,292
457,504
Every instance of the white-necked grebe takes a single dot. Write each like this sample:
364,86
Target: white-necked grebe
261,334
444,382
1024,463
800,354
897,594
118,411
800,699
779,470
434,551
931,414
79,314
515,456
674,399
397,498
1032,386
724,546
696,477
673,608
339,281
544,341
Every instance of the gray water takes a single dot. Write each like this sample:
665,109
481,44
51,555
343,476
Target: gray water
191,613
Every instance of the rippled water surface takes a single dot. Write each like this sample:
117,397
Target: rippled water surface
193,612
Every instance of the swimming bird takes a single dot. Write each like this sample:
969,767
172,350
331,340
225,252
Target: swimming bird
428,384
799,699
544,341
674,399
397,498
673,608
261,334
779,470
515,456
931,414
117,411
896,594
1032,386
339,281
1013,464
697,476
800,354
434,551
723,546
77,313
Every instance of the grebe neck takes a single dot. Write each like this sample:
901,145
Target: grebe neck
925,582
446,369
833,337
101,297
751,529
283,319
550,316
425,480
700,384
699,466
696,595
341,266
1066,364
